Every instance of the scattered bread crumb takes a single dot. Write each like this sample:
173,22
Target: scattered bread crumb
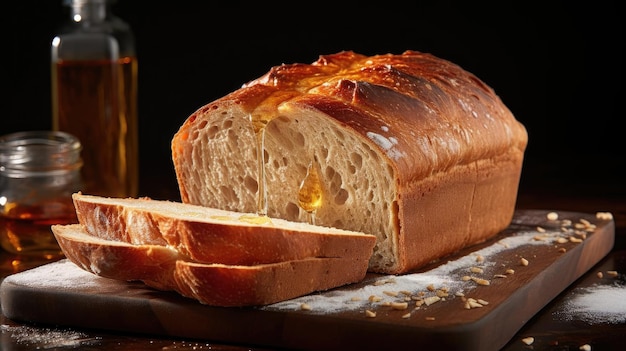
606,216
523,261
552,216
561,240
476,270
529,340
374,298
305,307
585,347
431,300
600,275
399,305
480,281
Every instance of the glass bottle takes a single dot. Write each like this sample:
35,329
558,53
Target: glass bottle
94,95
39,171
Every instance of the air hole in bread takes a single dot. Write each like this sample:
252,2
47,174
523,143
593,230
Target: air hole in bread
251,184
210,133
339,135
334,180
351,169
338,223
202,124
228,194
330,172
227,123
341,197
232,136
324,152
266,156
292,211
357,161
372,153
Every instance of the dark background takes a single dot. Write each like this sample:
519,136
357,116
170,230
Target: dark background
556,65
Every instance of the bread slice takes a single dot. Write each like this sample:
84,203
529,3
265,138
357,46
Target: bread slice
163,268
152,264
207,235
409,147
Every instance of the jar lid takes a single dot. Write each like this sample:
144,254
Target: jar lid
39,150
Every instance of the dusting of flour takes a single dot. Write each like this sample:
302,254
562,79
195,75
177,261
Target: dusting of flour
60,274
446,275
47,338
596,305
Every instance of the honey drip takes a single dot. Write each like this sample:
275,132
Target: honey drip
310,193
259,124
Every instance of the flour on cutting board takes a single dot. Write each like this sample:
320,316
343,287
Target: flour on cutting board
46,338
446,276
63,273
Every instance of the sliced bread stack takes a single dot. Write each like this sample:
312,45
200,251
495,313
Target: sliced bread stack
217,257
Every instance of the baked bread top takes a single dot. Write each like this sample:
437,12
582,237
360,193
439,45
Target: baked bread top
460,118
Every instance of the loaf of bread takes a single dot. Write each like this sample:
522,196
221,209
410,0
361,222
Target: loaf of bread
408,147
164,268
208,235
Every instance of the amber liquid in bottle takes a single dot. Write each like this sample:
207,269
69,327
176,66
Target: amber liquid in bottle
96,102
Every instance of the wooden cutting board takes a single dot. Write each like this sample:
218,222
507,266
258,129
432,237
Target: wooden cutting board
511,278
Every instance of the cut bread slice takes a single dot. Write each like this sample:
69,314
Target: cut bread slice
212,284
207,235
152,264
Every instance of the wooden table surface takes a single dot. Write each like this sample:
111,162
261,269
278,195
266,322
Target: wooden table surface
549,333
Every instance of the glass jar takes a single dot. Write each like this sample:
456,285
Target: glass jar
39,171
94,95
